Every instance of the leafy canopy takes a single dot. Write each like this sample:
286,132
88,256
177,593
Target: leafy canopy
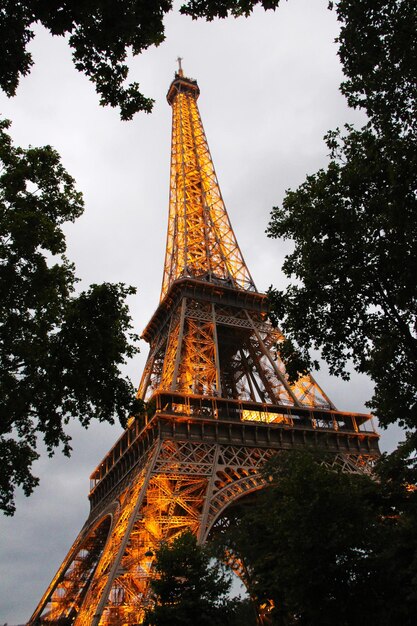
328,547
189,588
59,353
378,49
210,9
355,230
100,33
354,223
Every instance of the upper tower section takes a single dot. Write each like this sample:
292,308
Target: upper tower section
200,241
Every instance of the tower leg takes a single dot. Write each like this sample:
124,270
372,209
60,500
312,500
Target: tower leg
184,483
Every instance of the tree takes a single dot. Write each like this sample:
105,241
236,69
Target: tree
328,547
189,588
210,9
355,231
378,50
100,33
60,353
354,224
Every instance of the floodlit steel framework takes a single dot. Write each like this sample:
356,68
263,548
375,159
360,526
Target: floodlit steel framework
219,405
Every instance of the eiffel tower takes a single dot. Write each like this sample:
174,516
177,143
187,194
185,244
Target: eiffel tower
218,399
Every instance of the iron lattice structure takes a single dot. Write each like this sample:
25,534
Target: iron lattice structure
219,405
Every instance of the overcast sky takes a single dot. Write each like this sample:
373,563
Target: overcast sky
269,92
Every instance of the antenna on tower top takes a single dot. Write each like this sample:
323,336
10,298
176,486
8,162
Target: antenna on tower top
180,72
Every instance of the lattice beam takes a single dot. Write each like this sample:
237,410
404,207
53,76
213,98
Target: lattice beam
200,239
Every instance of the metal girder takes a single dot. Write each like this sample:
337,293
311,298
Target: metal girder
214,349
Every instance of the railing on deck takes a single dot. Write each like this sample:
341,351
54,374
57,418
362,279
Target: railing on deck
183,406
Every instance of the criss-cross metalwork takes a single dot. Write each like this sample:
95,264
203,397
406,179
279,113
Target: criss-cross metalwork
200,242
219,404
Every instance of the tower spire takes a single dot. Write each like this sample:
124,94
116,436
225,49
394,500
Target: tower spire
201,243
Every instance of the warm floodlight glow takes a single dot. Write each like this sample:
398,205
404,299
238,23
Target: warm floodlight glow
219,405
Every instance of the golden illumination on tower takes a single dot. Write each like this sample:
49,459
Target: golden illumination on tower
219,404
200,242
218,342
